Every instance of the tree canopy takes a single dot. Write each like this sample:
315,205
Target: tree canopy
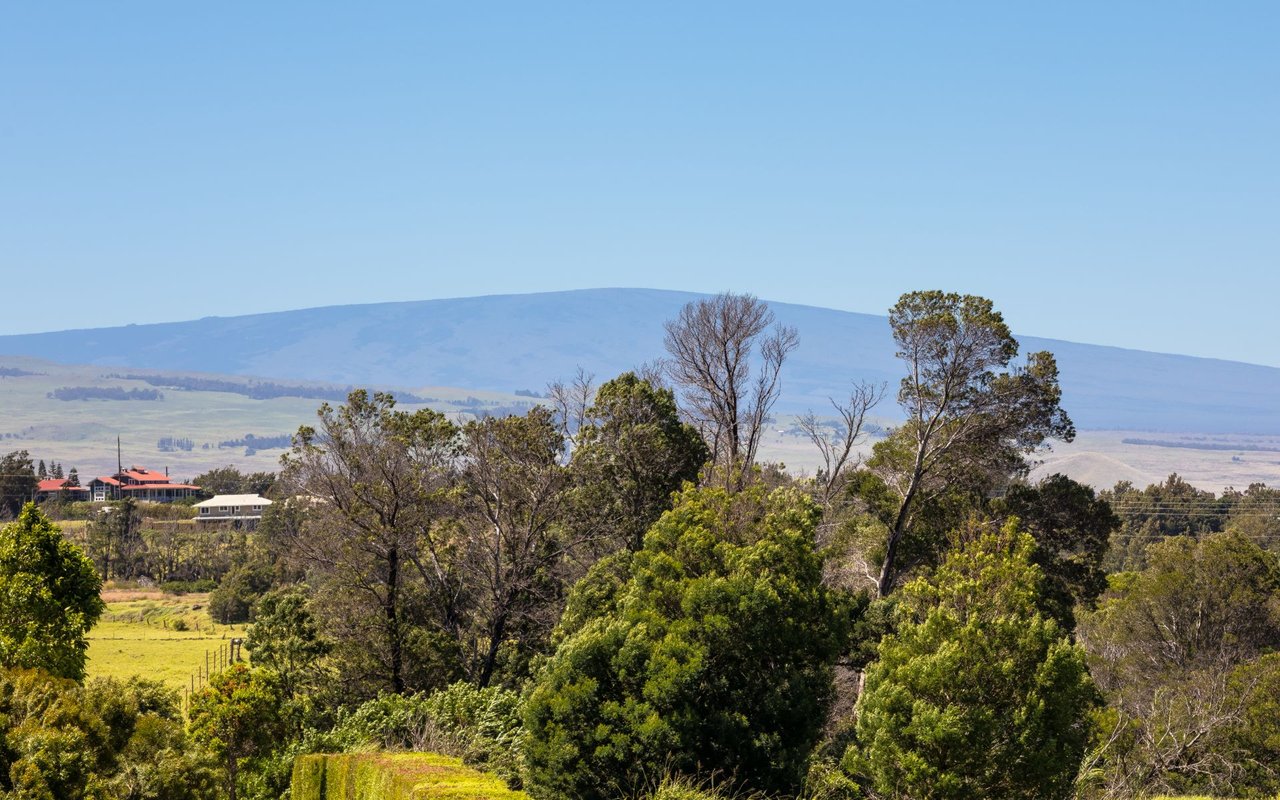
710,649
977,694
971,417
48,597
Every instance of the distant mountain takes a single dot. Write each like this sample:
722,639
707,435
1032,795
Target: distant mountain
513,342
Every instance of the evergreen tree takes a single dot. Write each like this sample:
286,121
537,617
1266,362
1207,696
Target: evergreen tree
708,651
41,471
237,717
977,694
17,482
633,454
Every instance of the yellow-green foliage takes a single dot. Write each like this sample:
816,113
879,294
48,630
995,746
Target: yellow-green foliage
393,776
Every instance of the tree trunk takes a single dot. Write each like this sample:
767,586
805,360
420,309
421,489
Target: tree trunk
495,641
393,621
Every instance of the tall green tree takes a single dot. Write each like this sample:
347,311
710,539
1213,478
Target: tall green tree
633,453
977,694
374,543
1072,529
115,539
515,549
49,597
971,415
237,717
286,639
708,651
230,480
18,483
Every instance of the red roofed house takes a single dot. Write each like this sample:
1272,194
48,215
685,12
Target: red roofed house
53,486
140,484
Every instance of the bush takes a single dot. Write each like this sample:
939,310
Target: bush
233,600
177,510
713,656
977,694
686,788
480,726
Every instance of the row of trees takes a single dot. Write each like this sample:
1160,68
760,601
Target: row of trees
596,594
543,552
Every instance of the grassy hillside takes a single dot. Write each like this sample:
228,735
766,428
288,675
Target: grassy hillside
82,433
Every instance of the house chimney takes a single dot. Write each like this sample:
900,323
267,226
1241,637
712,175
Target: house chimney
166,470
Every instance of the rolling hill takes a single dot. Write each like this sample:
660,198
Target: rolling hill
509,342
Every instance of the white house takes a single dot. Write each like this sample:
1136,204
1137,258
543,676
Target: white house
232,507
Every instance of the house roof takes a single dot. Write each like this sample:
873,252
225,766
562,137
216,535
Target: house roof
234,500
144,475
107,480
58,485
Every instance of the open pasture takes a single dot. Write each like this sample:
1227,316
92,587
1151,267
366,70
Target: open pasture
154,635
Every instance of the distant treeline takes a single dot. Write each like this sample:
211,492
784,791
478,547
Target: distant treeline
253,444
169,444
259,390
103,393
14,372
1244,448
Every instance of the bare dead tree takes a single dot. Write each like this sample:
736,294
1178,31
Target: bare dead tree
570,401
726,358
836,443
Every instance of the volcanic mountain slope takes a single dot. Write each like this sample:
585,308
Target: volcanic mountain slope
509,342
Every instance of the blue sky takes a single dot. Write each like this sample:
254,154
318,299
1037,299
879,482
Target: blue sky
1105,172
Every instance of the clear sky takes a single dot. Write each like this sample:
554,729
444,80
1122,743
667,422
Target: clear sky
1106,172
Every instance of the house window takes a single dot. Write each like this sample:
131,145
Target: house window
204,510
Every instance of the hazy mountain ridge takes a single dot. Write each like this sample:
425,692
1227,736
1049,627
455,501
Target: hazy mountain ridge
508,342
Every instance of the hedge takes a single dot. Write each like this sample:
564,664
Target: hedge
393,776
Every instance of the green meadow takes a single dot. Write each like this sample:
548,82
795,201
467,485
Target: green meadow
158,636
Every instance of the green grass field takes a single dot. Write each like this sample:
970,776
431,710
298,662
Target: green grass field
140,635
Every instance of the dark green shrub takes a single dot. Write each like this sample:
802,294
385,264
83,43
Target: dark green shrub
233,600
713,657
977,693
